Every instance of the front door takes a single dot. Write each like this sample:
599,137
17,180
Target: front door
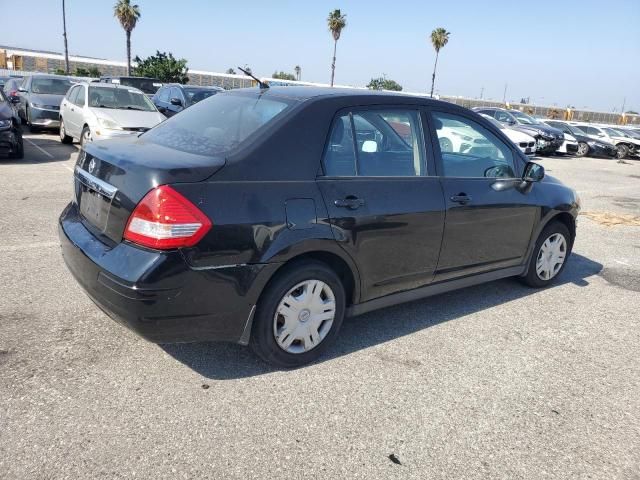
489,218
385,204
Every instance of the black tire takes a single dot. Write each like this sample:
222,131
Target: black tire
86,133
263,341
532,278
19,151
623,150
583,149
64,138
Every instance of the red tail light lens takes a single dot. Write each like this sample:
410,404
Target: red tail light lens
164,219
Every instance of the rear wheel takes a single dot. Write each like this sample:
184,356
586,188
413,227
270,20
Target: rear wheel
550,255
299,315
583,149
64,138
622,151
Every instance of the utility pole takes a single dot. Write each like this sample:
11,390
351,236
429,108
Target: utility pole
481,92
624,101
64,34
504,95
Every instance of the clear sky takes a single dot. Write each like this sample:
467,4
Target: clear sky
578,52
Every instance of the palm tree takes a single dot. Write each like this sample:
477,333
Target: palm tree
64,34
128,15
336,22
439,38
298,71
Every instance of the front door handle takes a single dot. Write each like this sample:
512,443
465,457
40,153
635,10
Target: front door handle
461,198
350,202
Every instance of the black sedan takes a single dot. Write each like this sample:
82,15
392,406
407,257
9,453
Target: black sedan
173,98
586,144
10,129
265,216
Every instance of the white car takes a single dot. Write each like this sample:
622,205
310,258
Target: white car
96,111
624,144
524,142
570,145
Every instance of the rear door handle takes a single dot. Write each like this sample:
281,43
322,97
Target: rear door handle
350,202
461,198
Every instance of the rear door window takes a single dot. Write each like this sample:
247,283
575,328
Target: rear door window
469,150
376,143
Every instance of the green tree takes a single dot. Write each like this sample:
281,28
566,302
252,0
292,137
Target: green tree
283,76
439,38
87,72
383,83
336,23
128,16
59,71
231,71
163,66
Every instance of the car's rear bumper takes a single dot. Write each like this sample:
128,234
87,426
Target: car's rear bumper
157,294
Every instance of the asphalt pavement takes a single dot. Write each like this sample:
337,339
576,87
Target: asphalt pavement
493,381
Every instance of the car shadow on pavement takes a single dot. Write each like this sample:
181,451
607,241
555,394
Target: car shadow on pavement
221,361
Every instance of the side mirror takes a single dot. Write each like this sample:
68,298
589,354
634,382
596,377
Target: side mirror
369,146
533,172
23,90
176,101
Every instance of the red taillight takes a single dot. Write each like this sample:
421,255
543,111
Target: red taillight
164,219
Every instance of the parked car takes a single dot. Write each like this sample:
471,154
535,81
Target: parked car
263,217
96,111
623,145
40,97
172,98
526,143
586,144
148,85
11,89
548,139
633,143
569,146
10,129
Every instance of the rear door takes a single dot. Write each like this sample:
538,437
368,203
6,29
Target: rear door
68,110
489,220
385,204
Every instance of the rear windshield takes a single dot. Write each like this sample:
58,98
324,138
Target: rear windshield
50,86
217,124
119,98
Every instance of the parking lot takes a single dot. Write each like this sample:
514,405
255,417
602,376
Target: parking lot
493,381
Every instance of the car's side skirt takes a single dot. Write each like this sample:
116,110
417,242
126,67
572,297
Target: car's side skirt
434,289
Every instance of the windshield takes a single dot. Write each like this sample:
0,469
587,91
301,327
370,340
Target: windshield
195,95
524,118
147,85
119,98
613,133
216,125
573,129
50,86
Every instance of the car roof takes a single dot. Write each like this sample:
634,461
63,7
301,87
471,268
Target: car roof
44,75
305,93
112,86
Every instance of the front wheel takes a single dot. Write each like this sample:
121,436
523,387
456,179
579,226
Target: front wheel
85,136
583,149
299,315
550,255
19,149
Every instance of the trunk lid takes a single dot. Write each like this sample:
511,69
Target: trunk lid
112,176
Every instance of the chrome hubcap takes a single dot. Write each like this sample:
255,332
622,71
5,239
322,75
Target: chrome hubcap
583,148
304,316
551,256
